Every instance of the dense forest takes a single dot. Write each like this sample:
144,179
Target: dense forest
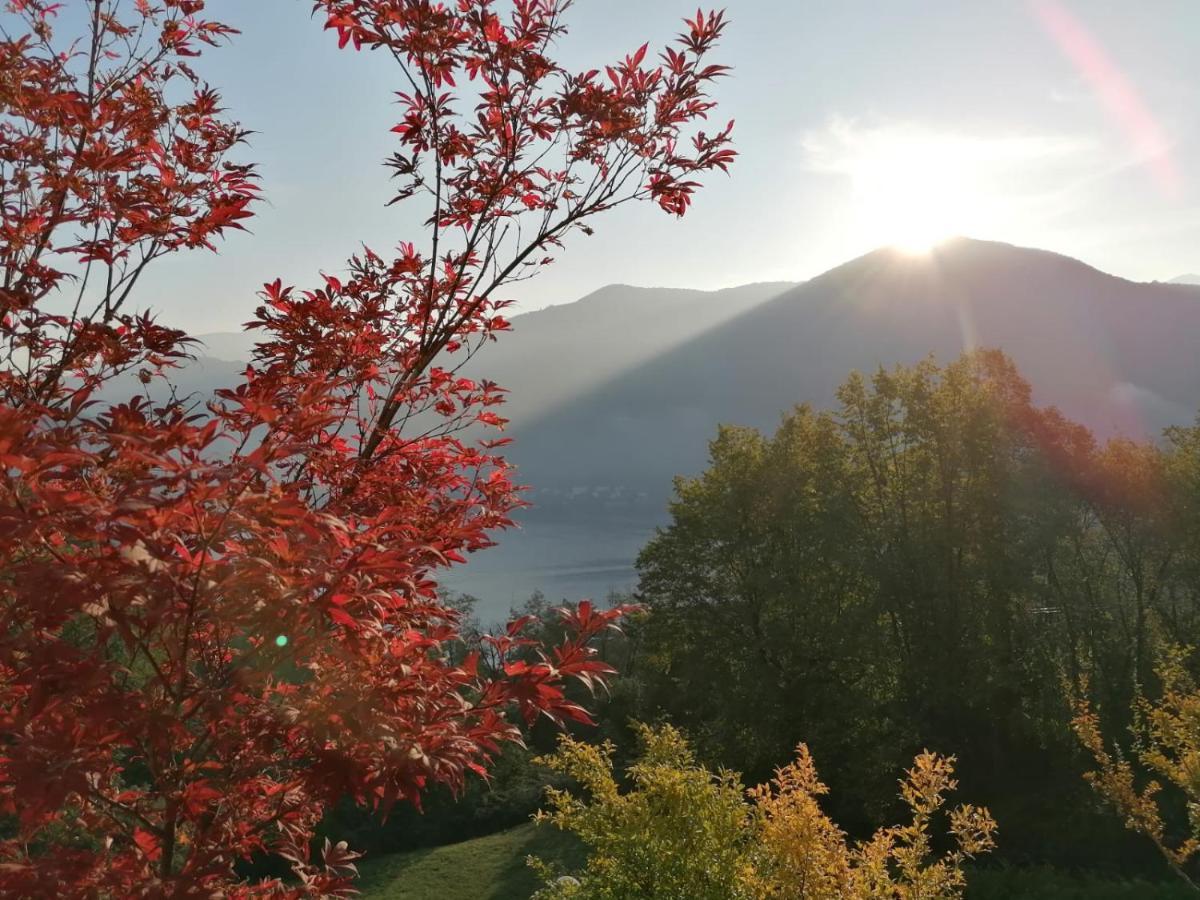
937,563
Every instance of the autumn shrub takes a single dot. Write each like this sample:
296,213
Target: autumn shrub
1160,769
682,831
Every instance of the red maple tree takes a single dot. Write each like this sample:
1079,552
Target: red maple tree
217,616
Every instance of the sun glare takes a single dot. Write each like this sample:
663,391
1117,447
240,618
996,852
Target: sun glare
914,193
912,188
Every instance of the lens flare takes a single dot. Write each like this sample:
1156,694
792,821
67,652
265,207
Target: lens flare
1112,87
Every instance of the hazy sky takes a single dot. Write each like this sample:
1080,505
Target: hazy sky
1064,124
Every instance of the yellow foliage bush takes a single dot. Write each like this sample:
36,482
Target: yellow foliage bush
1167,747
682,832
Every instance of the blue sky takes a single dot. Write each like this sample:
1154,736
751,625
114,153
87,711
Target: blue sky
1064,124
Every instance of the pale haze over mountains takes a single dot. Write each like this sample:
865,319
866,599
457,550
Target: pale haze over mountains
615,394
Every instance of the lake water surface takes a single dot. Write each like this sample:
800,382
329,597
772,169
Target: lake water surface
565,561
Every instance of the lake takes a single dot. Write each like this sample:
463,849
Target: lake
564,560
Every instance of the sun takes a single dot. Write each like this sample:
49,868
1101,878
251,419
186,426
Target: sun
914,189
913,194
919,240
912,185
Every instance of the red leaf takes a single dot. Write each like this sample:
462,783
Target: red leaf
148,844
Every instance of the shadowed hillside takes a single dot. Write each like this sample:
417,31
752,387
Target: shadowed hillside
556,355
584,343
1116,355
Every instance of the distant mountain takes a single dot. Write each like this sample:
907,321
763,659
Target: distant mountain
1117,355
621,390
552,358
556,355
1186,279
583,344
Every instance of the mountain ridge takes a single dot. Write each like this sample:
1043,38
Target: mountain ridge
236,346
1111,352
621,389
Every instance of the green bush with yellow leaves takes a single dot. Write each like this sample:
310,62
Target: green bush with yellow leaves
682,832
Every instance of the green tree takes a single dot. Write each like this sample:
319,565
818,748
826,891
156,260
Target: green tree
761,628
931,562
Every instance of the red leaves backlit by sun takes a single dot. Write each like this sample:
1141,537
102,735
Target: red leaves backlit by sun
625,122
216,619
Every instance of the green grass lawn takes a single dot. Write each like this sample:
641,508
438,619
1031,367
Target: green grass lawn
493,868
486,868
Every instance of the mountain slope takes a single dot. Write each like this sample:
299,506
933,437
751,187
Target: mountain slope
623,388
557,354
1186,279
583,344
1117,355
664,315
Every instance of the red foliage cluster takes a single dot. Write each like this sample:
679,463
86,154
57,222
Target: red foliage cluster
218,617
